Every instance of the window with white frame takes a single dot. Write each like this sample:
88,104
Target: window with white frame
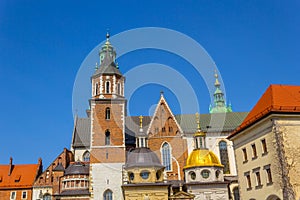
24,195
13,195
166,156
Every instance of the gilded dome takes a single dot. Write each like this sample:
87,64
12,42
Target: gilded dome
202,157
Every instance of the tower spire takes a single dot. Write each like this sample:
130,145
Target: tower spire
219,104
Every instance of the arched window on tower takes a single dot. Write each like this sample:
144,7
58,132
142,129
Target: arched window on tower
86,156
107,137
107,113
224,156
107,86
107,195
166,156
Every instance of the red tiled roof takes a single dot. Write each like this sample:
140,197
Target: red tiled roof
277,98
22,176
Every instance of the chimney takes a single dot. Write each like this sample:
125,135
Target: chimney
10,166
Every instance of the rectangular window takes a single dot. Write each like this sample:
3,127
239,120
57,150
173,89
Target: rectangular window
254,152
269,174
258,180
264,146
13,195
245,154
24,195
248,179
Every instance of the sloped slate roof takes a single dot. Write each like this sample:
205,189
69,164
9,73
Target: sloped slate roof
82,133
77,168
215,122
74,192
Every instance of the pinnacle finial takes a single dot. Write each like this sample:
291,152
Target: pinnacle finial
198,121
107,34
141,121
217,83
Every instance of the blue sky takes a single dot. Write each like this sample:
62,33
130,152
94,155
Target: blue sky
43,43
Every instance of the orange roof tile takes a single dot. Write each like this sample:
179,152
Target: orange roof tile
277,98
22,176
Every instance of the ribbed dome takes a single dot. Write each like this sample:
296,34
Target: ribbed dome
202,157
142,157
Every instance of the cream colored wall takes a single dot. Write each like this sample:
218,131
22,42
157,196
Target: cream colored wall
78,154
146,193
106,176
37,190
290,129
262,130
211,192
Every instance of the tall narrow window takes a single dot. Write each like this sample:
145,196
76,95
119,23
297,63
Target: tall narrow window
248,181
166,156
236,193
245,155
13,195
107,137
107,195
107,86
224,156
86,156
258,179
96,89
119,88
24,195
269,174
264,146
254,152
107,113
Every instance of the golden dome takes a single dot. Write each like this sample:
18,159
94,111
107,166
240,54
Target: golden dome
202,157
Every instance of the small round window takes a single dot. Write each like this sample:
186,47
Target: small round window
144,174
205,173
131,176
193,175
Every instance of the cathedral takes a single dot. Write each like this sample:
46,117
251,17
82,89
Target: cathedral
165,156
